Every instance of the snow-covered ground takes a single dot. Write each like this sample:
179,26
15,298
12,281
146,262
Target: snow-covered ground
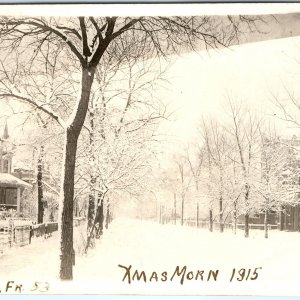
152,247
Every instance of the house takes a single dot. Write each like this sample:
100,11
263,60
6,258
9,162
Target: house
11,187
25,167
289,217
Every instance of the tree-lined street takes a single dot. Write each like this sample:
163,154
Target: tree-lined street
151,141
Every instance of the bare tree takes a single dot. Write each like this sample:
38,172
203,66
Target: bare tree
184,180
244,129
234,190
168,190
195,164
119,114
279,184
204,131
216,144
288,109
86,40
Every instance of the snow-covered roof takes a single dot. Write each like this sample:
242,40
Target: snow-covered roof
8,180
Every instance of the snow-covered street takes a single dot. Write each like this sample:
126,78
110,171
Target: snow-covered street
114,127
151,247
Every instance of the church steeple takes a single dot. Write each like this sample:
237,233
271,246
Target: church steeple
6,152
5,132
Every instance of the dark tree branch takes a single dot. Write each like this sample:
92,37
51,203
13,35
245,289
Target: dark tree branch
45,28
85,47
70,30
126,27
34,104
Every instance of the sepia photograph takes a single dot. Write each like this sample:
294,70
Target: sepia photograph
150,149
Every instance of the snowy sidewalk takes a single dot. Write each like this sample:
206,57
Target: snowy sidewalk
150,247
36,260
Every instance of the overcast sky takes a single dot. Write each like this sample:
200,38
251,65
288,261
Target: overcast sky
253,73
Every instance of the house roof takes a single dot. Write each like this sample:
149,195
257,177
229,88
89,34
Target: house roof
8,180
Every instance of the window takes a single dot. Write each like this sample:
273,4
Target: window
8,196
11,196
5,166
256,216
2,196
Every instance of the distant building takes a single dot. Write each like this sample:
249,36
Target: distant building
25,168
289,218
11,187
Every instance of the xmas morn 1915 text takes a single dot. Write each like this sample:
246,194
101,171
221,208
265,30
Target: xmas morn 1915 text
183,274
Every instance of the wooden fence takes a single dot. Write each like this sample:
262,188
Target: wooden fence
5,238
21,235
230,226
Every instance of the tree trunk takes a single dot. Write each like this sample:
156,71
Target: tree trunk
175,212
99,218
101,221
160,215
67,256
281,221
182,211
211,222
107,221
266,224
221,222
91,212
246,225
234,219
95,230
247,212
76,208
91,216
40,187
286,224
197,220
91,206
221,214
66,243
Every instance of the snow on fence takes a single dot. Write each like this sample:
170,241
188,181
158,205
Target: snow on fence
13,233
20,235
216,225
4,238
45,229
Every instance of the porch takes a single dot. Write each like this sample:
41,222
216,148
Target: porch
11,189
